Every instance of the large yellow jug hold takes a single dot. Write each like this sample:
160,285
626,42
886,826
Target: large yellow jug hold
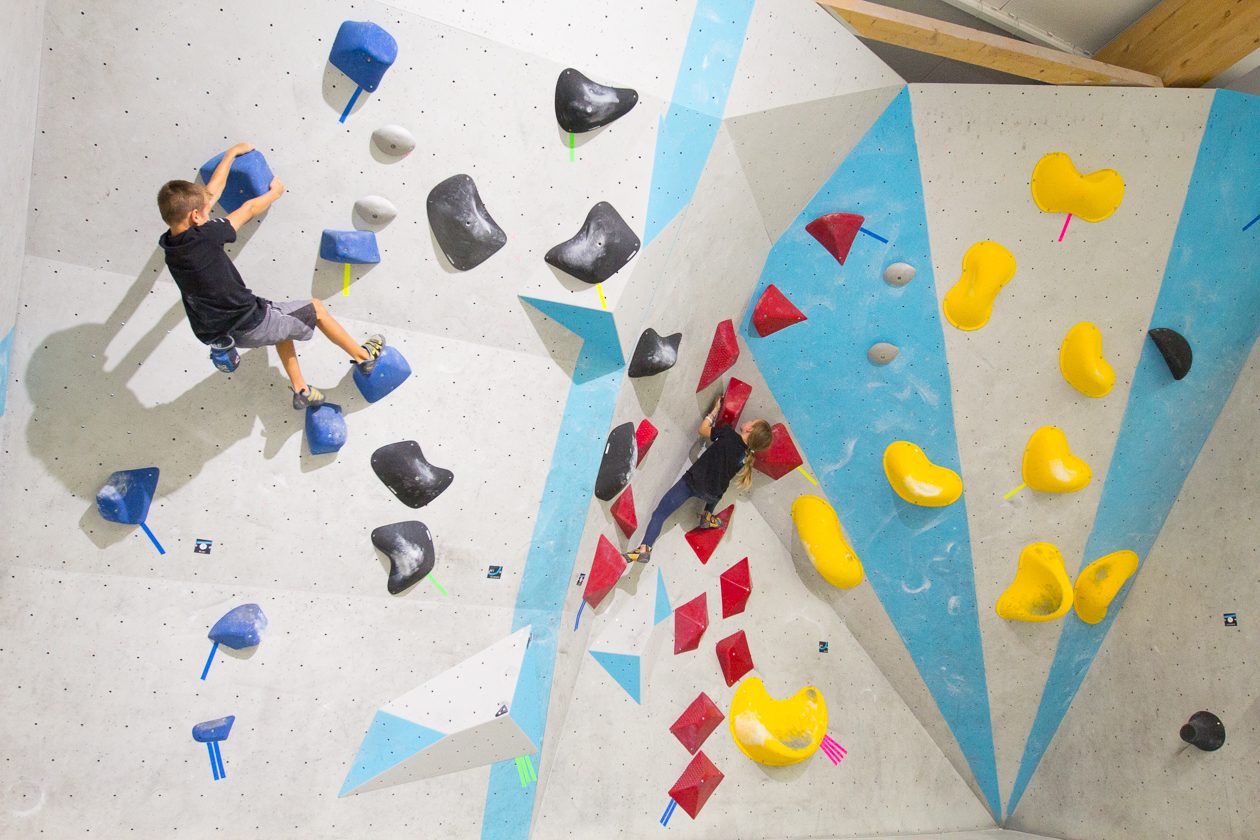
1041,590
1058,188
916,479
1098,584
1050,466
824,541
987,267
1082,363
777,732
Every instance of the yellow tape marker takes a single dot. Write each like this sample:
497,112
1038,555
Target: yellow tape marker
1013,492
807,475
599,287
345,289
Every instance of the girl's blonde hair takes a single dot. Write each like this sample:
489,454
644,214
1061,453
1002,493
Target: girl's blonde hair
759,439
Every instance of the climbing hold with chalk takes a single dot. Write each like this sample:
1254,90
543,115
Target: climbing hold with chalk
465,231
583,105
403,468
599,250
390,371
409,547
654,354
916,479
618,461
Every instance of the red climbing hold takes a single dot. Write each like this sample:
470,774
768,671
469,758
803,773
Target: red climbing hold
722,354
703,541
736,587
781,457
697,722
623,512
690,621
606,570
696,785
774,311
836,232
643,438
733,656
733,401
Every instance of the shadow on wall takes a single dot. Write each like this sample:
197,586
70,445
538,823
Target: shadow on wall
86,422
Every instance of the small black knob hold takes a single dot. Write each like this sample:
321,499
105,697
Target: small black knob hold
1205,731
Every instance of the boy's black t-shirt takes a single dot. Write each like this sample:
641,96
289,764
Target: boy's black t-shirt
717,465
215,296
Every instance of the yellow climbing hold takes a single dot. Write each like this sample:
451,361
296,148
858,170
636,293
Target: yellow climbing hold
1050,466
987,267
1081,360
777,732
1041,590
1058,188
918,480
824,541
1099,583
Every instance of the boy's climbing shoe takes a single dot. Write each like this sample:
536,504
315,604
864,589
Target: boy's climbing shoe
638,555
708,520
374,345
312,397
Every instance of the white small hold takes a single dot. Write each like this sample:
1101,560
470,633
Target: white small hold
898,274
394,140
375,211
882,353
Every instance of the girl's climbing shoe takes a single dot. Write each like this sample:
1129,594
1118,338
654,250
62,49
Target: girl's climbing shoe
373,346
638,555
708,520
312,397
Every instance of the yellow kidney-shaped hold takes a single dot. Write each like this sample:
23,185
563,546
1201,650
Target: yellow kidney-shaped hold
1041,590
916,479
987,267
824,541
1082,363
1050,466
1058,188
777,732
1099,583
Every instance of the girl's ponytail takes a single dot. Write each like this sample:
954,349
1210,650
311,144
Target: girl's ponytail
759,439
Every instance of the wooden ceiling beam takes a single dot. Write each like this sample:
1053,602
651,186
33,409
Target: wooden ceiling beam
1187,43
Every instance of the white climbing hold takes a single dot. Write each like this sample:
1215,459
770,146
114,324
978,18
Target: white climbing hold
882,353
375,210
898,274
394,140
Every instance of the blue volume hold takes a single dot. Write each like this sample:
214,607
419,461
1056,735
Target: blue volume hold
325,429
213,730
363,51
390,372
349,246
249,177
127,494
241,627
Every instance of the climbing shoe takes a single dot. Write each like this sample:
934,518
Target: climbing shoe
373,346
638,555
708,520
312,397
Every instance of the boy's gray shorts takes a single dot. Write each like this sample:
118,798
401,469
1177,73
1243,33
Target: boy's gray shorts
288,319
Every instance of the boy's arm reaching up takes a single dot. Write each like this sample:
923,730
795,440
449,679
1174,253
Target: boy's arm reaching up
255,206
218,180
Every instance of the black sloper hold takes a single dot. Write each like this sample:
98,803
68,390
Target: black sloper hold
583,105
464,229
653,354
1175,349
1205,731
404,470
614,469
599,250
409,547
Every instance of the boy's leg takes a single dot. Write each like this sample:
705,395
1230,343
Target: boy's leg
288,358
336,333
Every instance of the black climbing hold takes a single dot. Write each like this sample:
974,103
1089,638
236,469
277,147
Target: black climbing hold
408,475
465,232
614,469
583,105
653,354
600,249
1204,731
1175,349
409,547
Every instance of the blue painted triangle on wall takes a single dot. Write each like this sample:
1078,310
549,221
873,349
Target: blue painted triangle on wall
663,609
596,327
389,741
622,667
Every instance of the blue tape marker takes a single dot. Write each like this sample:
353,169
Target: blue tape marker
156,544
354,97
873,235
581,607
669,812
218,757
1252,222
209,660
214,766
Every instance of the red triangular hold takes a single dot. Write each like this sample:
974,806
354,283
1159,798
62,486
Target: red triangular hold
722,354
733,656
690,621
606,570
733,402
643,438
774,311
703,541
836,232
696,785
781,457
697,722
736,587
623,512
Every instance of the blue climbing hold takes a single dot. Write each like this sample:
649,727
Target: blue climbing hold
390,372
241,627
325,429
349,246
363,51
249,177
213,730
127,494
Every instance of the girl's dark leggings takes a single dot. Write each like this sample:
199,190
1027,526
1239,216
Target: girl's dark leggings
670,502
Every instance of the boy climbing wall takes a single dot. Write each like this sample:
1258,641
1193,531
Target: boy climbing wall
215,297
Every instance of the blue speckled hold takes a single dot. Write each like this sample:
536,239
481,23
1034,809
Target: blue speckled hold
363,51
213,730
390,372
127,494
240,627
349,246
249,177
325,428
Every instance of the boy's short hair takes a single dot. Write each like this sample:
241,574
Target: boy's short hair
177,199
